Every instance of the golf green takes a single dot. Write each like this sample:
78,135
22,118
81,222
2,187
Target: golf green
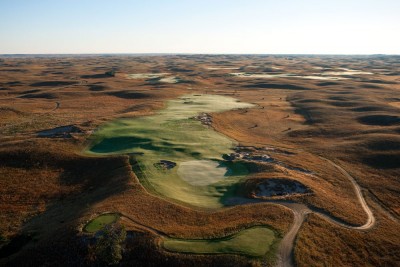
99,222
200,177
255,241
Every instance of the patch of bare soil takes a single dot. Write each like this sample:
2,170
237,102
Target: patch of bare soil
280,188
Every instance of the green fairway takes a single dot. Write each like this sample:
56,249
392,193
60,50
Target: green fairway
201,177
99,222
256,241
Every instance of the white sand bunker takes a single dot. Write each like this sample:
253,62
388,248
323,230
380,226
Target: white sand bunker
170,80
283,75
201,172
278,188
345,71
146,75
315,77
222,68
157,77
261,75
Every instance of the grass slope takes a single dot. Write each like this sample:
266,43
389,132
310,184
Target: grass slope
255,241
99,222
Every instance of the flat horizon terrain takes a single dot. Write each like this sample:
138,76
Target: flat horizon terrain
203,160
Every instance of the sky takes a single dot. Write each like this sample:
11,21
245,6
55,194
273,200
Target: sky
200,26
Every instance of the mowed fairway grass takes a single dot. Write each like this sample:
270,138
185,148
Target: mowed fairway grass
201,177
99,222
255,241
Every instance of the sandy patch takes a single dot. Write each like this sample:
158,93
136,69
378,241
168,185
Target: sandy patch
283,75
315,77
146,75
169,80
261,75
345,71
222,68
280,187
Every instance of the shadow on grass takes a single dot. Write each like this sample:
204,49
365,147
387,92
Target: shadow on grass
276,86
54,231
380,120
53,83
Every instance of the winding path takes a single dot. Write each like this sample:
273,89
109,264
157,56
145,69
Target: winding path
371,218
300,211
285,250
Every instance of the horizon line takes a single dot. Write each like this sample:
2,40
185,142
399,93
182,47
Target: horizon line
167,53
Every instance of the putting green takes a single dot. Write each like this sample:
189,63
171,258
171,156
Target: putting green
99,222
201,172
201,178
255,241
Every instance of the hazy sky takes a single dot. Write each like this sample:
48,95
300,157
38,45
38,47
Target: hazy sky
200,26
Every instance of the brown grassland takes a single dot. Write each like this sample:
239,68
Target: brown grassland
49,189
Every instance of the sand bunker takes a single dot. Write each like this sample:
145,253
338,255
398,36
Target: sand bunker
204,118
170,80
314,77
146,75
154,77
284,75
261,75
164,164
280,188
345,71
249,156
222,68
201,172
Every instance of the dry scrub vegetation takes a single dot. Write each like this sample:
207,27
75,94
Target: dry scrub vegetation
48,189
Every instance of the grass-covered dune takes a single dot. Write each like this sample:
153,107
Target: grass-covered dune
201,177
